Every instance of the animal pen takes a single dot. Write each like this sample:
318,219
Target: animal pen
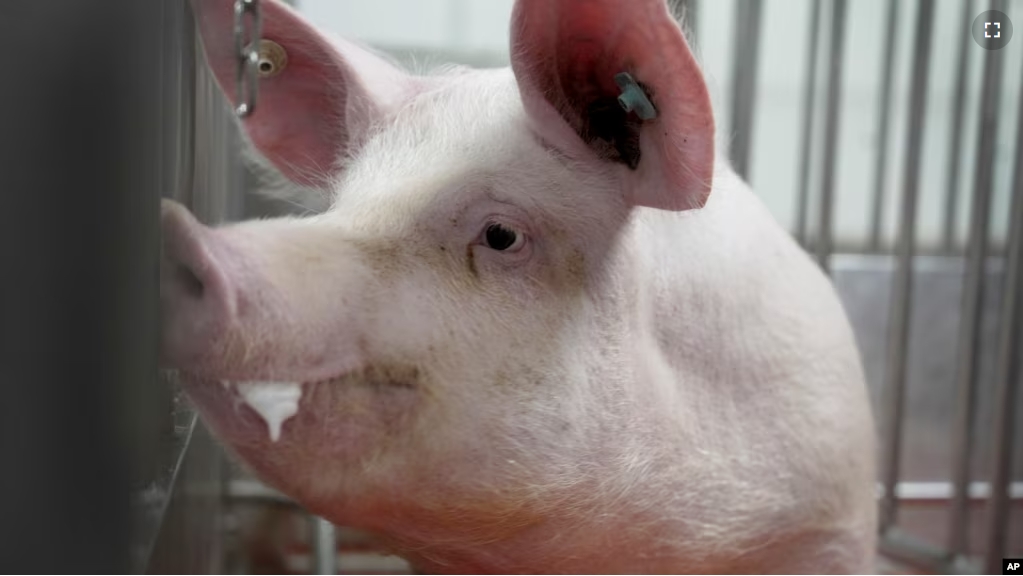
904,180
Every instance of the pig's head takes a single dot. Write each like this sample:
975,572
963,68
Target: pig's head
459,322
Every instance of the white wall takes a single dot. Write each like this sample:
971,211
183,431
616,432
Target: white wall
476,32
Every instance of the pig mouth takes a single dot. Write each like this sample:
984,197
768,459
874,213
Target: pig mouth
268,409
391,376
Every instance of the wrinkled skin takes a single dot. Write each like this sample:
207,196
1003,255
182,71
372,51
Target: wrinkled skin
638,371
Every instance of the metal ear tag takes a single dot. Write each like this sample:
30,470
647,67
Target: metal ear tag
273,58
634,98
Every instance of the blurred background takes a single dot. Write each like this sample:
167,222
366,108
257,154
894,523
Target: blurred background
877,131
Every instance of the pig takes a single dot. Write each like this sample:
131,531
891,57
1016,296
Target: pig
522,329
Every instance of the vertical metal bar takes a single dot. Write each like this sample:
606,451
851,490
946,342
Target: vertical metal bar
79,243
884,103
324,546
805,155
973,298
744,77
1010,366
833,112
218,186
955,143
898,328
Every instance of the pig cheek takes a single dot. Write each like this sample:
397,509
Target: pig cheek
337,430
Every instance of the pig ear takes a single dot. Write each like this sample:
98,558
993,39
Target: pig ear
566,55
318,102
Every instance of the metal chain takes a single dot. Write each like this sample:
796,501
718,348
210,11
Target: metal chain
247,71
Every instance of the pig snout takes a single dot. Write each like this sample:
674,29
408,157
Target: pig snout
259,300
270,341
197,299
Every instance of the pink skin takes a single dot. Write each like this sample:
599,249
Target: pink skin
245,323
320,105
238,425
574,401
559,48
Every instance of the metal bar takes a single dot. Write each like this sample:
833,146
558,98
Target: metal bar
832,111
744,76
218,183
82,413
808,110
909,549
973,301
898,332
153,502
884,103
955,142
324,546
942,492
1010,366
254,490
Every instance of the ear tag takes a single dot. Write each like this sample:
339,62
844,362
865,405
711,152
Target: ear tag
273,58
634,98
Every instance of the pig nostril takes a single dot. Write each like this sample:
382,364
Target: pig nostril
193,286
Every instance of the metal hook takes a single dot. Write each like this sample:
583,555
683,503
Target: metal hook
246,76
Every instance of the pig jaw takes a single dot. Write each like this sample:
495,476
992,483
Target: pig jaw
595,528
339,424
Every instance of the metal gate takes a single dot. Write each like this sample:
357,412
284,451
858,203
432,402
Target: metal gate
953,328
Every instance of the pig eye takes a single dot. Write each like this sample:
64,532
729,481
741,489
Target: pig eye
502,239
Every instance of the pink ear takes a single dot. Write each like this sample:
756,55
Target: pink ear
318,107
566,53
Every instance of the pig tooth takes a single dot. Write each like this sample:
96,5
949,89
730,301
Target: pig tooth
275,402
